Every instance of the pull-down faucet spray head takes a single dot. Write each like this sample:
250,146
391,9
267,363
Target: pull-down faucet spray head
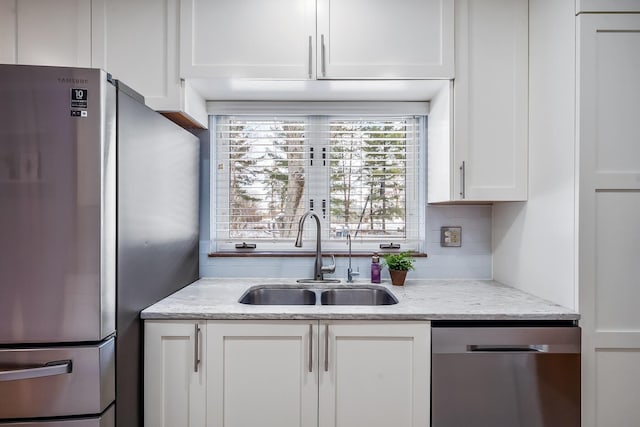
298,243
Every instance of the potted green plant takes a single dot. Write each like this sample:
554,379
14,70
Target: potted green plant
399,264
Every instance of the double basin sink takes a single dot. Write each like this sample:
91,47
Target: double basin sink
344,295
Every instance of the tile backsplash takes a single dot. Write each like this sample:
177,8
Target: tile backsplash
471,260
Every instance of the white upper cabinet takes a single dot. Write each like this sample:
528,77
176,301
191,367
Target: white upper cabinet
35,32
484,158
137,42
297,39
385,39
248,39
607,6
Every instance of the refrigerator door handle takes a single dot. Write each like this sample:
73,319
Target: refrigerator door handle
49,369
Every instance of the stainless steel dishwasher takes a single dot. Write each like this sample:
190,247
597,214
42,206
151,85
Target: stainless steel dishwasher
505,376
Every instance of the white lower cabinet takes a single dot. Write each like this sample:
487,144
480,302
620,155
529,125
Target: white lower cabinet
174,373
374,374
262,373
310,373
288,373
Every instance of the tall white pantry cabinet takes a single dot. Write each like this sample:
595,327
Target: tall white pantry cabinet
608,112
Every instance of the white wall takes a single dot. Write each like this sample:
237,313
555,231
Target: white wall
534,243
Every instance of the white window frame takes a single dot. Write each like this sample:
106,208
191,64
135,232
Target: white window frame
416,229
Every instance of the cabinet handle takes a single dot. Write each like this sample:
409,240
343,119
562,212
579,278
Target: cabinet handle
310,348
322,55
326,348
196,350
310,57
462,180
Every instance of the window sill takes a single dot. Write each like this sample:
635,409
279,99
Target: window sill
265,254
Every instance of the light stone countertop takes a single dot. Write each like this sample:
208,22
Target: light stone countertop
217,298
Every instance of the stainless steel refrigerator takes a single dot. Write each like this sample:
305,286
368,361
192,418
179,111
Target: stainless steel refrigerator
98,220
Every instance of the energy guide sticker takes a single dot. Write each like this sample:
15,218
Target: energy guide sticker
79,102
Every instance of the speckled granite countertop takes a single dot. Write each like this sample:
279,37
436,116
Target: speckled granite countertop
217,298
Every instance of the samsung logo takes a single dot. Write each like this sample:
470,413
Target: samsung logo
69,80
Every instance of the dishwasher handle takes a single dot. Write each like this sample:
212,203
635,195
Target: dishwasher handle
504,339
527,348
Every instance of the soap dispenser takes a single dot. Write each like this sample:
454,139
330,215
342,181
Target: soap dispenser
375,268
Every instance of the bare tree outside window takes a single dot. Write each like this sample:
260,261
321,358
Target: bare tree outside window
269,176
266,177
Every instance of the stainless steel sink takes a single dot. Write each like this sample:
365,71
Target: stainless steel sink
357,296
278,296
288,295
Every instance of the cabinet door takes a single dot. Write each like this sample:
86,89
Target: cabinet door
609,206
137,42
53,32
250,39
174,374
374,374
480,154
262,373
385,39
491,100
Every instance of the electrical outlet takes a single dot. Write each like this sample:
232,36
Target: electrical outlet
451,236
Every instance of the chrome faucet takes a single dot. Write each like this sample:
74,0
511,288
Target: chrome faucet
350,272
319,269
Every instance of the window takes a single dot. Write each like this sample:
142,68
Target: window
360,175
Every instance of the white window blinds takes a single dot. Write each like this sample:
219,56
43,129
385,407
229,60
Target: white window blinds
360,175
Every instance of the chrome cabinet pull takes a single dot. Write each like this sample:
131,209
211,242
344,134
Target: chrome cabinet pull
49,369
326,348
310,57
322,54
310,348
196,349
462,180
